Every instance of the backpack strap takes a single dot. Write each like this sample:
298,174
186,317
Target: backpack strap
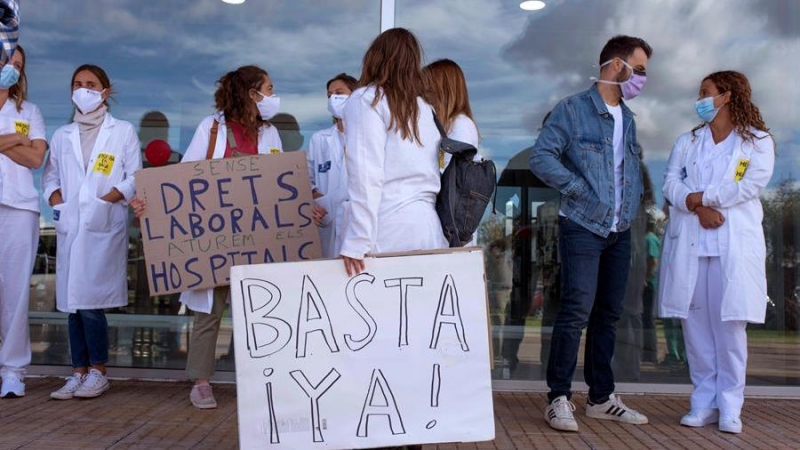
212,141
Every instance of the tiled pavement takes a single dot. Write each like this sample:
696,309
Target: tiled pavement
157,415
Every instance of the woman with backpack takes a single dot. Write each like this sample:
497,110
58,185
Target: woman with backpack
245,101
392,155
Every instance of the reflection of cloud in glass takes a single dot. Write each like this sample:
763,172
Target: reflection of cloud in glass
166,56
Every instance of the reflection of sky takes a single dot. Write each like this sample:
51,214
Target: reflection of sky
166,56
519,64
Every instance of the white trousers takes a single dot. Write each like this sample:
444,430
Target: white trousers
20,237
716,350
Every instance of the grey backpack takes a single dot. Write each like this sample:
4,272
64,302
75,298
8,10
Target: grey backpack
467,187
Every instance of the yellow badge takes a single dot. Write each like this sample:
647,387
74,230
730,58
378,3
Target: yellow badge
441,159
741,168
104,164
21,127
274,151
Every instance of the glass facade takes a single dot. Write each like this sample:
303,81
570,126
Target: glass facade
164,57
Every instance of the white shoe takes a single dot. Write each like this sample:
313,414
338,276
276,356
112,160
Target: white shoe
93,385
68,390
558,414
730,424
700,417
614,409
13,386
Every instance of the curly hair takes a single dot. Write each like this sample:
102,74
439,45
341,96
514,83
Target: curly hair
233,98
744,113
393,64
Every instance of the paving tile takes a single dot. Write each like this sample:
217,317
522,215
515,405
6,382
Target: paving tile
141,415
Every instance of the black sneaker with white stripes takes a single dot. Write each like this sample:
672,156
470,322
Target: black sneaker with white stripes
614,409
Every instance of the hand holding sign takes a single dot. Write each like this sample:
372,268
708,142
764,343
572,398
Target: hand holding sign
203,217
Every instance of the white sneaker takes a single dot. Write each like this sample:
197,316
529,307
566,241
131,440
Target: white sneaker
13,386
730,424
558,414
68,390
700,417
93,385
614,409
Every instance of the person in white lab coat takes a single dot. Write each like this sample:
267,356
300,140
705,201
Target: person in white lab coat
327,169
446,90
712,274
88,180
22,148
392,155
245,101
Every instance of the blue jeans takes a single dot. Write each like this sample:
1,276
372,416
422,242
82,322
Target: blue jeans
594,273
88,337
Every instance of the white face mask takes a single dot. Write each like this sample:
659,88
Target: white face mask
268,106
87,100
336,104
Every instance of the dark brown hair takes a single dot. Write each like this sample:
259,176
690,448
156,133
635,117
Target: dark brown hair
233,98
623,47
348,80
19,91
743,112
392,64
100,74
446,90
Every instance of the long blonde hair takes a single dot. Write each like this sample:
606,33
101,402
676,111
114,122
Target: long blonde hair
392,64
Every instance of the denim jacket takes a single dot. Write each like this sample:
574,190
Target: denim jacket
574,153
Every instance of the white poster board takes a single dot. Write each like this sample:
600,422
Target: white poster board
396,355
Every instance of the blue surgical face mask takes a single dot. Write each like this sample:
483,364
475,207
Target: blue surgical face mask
705,108
9,76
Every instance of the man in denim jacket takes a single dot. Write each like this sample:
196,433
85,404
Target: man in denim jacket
588,150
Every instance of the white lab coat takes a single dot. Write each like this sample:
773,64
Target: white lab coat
741,237
392,182
328,174
92,234
201,300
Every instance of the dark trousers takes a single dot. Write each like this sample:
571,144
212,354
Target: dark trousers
594,274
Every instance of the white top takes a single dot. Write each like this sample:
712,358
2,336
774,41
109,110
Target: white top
268,140
619,158
463,129
328,173
712,162
16,182
392,182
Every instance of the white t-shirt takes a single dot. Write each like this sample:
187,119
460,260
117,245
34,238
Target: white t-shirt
16,182
619,158
464,130
712,161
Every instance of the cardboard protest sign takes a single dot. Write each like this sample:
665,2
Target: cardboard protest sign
397,355
204,217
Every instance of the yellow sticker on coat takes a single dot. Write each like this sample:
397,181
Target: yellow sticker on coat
741,168
274,151
22,127
104,163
